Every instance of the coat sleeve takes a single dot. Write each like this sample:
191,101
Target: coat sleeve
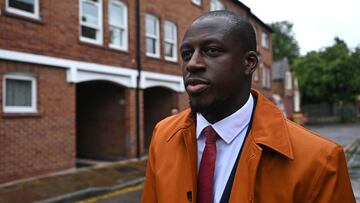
334,185
150,194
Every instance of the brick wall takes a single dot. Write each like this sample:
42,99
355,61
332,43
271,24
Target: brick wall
101,121
44,142
57,34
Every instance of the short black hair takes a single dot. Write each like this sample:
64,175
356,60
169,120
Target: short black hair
239,26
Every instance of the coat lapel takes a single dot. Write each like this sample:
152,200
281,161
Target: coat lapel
244,182
268,130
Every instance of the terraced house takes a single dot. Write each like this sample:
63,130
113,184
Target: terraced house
90,78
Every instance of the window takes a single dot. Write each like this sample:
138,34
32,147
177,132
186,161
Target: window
266,82
264,40
288,80
19,93
256,75
118,25
27,8
152,36
91,21
197,2
216,5
170,41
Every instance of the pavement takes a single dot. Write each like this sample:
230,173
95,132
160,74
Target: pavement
66,186
74,183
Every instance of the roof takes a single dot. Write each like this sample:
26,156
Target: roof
238,2
279,69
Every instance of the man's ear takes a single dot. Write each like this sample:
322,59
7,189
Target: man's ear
251,61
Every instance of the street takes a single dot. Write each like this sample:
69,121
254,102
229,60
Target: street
344,134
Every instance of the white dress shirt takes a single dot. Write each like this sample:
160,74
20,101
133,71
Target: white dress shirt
232,131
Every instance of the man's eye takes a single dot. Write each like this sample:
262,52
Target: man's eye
212,51
186,55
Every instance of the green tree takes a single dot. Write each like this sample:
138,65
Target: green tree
284,43
330,75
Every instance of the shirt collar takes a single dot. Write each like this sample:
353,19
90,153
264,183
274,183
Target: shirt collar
228,128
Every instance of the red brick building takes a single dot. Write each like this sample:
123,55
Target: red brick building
285,89
89,78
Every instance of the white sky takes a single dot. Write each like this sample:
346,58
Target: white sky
316,22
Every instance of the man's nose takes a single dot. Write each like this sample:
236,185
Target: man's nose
196,63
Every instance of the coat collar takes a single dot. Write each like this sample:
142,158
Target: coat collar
268,126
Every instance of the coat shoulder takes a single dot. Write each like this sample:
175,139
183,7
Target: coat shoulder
169,126
302,137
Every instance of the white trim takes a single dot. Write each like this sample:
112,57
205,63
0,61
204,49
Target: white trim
78,71
288,80
125,76
151,79
99,27
171,41
264,40
20,109
35,15
123,27
197,2
156,37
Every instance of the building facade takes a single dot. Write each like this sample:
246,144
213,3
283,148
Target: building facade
90,78
285,88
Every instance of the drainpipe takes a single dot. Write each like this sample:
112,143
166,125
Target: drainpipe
138,63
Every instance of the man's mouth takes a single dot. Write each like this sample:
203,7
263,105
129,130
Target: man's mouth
196,86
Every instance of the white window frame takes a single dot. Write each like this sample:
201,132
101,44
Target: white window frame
34,15
264,40
99,28
216,5
123,27
288,80
156,36
20,109
171,41
256,75
196,2
265,72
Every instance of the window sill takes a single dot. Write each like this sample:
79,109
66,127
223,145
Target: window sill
22,17
196,4
171,60
21,115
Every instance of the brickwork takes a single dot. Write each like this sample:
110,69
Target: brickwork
44,142
57,34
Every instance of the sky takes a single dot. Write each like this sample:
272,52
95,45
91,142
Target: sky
316,22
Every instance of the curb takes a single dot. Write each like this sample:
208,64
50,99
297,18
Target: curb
97,190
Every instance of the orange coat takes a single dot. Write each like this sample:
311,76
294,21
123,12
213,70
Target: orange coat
280,162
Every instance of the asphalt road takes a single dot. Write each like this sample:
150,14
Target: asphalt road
343,134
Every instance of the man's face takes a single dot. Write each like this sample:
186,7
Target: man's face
213,65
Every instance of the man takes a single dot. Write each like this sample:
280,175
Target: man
234,145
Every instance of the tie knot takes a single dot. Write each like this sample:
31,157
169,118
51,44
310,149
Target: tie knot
210,135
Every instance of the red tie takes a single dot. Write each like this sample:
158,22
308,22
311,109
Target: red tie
207,167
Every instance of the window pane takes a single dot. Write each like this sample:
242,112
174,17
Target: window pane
150,25
169,31
116,15
150,45
90,13
88,32
169,50
25,5
116,36
18,92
